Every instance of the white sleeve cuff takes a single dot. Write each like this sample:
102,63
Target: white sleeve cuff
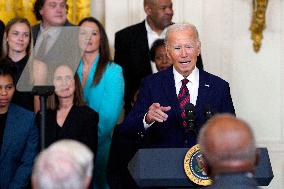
146,126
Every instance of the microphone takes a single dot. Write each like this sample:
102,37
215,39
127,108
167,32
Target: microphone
190,115
208,112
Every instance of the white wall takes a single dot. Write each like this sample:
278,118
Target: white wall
256,79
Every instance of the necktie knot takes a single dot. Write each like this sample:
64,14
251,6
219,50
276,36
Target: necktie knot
184,81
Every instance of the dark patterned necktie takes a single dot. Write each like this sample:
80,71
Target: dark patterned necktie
183,99
43,46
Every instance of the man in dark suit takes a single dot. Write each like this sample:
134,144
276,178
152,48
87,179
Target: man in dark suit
51,13
18,136
228,146
159,114
132,45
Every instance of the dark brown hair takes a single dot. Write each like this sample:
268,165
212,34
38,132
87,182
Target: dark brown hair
158,43
103,49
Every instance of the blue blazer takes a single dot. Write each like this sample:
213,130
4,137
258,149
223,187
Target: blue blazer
19,148
160,87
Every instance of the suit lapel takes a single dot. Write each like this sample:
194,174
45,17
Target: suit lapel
203,91
142,33
142,47
169,90
10,131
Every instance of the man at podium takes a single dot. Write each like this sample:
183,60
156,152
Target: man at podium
173,104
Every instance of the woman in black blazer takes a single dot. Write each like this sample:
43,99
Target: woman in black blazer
67,116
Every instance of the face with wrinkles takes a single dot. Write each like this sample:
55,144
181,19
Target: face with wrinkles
183,49
64,82
160,13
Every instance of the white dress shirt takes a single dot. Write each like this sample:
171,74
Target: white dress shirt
153,36
192,85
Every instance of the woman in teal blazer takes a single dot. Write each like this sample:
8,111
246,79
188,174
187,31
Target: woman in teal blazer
103,88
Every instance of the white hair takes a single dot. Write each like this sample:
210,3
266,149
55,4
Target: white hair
64,165
181,27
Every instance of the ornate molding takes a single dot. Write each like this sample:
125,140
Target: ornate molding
258,22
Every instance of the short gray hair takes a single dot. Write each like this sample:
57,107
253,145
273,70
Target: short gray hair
64,165
181,27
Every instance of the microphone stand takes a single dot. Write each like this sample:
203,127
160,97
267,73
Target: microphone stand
43,92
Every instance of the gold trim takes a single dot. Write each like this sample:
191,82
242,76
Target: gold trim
190,162
258,23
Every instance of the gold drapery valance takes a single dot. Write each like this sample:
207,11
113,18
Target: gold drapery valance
78,9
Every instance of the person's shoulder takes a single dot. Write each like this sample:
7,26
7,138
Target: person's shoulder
21,111
159,76
112,66
209,77
36,26
67,23
131,29
85,112
21,114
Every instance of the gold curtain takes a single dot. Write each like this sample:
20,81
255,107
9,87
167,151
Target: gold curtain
78,9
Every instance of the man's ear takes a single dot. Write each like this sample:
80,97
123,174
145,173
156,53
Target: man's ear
148,10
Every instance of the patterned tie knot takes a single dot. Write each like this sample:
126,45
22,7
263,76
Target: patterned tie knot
184,81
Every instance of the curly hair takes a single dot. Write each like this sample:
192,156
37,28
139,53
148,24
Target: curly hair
38,6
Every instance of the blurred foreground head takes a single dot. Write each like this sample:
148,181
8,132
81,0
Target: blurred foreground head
228,145
66,164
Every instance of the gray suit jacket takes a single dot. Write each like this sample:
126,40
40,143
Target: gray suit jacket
36,28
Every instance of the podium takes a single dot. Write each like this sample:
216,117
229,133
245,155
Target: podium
163,167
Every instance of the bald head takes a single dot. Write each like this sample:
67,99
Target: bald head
228,144
149,2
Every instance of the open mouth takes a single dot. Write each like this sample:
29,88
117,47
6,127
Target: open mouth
185,62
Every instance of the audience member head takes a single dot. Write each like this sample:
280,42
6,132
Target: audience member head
228,145
158,55
159,13
66,164
7,85
183,47
67,85
96,44
51,12
17,37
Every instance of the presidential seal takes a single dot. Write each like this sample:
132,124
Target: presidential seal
195,166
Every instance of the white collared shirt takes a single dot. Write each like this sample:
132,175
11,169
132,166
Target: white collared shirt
52,32
192,85
153,36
